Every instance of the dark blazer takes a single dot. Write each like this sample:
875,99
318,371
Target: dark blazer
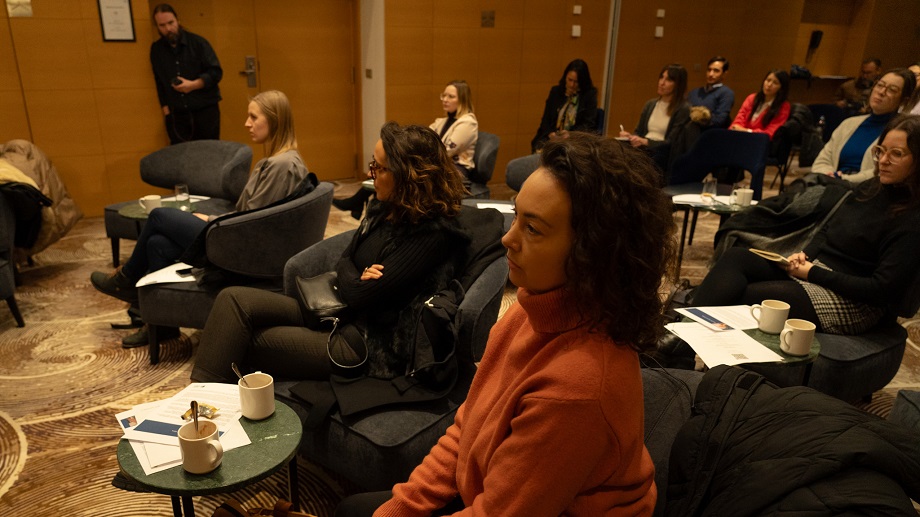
585,118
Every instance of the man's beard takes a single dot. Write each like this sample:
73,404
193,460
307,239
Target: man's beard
173,38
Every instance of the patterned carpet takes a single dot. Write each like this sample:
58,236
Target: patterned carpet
64,376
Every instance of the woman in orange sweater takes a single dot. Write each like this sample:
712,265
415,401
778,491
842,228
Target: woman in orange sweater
553,423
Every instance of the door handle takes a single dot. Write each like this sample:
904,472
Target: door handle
250,71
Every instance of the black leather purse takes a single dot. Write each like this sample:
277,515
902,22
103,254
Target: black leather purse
320,303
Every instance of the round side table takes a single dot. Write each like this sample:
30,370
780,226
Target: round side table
275,441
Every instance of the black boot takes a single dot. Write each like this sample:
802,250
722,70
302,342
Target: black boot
671,352
354,204
140,338
117,285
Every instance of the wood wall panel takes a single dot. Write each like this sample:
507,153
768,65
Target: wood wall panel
54,63
65,122
117,109
86,180
510,67
895,30
12,105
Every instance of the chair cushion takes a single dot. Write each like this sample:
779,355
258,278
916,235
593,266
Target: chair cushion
397,438
851,367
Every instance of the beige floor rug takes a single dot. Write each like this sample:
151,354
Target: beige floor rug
64,376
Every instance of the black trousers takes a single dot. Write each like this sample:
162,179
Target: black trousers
741,277
185,126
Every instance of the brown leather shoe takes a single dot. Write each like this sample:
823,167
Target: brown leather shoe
117,285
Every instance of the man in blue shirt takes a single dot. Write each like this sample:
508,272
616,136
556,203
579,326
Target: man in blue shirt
186,71
715,96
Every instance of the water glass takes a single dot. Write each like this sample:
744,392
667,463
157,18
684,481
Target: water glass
183,200
708,194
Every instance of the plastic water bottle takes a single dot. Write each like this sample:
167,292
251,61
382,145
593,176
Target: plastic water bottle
821,124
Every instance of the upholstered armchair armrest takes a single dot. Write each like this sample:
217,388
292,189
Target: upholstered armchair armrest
259,243
318,258
479,309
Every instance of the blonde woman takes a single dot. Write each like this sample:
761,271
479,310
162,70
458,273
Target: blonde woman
169,231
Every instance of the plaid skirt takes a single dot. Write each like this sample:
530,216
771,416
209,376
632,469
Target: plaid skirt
839,315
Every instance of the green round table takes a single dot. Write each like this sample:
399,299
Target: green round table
771,341
275,441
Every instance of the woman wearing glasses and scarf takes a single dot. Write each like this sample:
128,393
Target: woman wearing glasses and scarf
403,251
848,154
863,259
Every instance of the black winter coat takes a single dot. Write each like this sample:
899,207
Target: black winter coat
751,448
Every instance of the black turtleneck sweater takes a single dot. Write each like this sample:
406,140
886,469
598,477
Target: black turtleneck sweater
873,254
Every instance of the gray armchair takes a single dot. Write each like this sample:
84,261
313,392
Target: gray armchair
484,161
252,247
218,169
378,448
7,266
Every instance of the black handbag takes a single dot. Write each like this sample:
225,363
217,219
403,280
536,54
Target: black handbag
320,303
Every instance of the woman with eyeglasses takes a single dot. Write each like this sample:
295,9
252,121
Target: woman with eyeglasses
848,153
458,129
403,251
860,261
767,110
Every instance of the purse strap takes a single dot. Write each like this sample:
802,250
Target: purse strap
335,325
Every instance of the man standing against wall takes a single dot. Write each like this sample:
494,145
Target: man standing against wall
853,95
715,96
186,71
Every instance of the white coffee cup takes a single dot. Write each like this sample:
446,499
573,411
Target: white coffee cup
742,196
201,451
257,397
796,337
772,315
150,202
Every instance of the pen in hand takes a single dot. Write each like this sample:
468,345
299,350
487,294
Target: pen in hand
621,129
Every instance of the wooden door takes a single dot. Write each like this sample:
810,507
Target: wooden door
303,48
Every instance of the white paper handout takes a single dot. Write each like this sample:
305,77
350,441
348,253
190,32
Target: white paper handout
723,347
728,317
152,428
167,275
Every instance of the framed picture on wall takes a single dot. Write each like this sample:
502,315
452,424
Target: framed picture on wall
116,19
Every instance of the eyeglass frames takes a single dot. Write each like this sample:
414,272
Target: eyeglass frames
888,89
373,167
895,154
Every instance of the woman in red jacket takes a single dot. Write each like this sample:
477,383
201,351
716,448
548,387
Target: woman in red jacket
553,423
766,110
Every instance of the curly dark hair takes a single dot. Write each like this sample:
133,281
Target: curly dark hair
624,235
427,184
